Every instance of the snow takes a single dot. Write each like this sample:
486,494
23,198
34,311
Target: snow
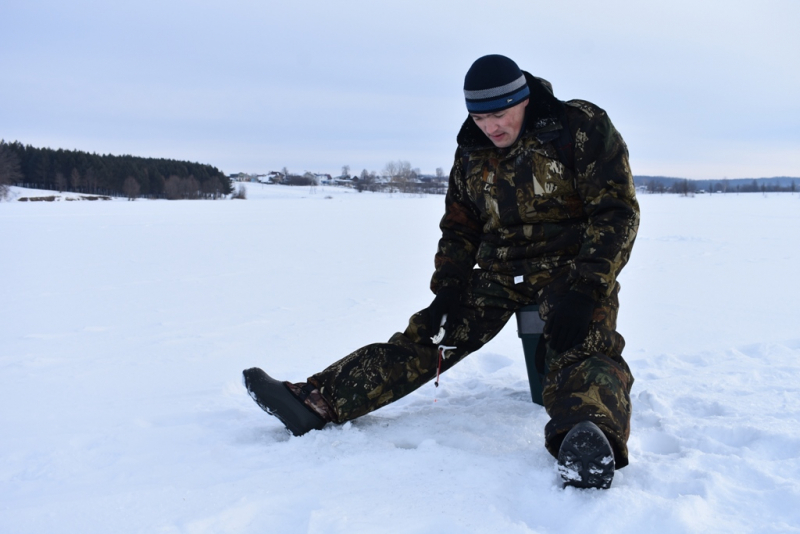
126,325
43,195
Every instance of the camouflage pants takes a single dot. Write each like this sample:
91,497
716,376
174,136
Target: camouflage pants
590,381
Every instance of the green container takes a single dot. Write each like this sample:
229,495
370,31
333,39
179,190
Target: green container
530,327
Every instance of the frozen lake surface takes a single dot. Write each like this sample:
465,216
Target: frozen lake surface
125,327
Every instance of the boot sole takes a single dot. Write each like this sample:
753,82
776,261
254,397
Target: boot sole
586,459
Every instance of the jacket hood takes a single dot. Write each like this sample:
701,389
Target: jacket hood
543,109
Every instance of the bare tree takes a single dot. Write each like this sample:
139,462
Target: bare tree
240,193
402,175
172,187
131,188
366,181
188,187
212,188
75,181
684,188
61,182
345,171
390,170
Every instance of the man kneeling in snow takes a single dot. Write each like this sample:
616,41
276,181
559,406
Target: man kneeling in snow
541,209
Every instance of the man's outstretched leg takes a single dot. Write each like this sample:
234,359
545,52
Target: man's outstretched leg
359,383
378,374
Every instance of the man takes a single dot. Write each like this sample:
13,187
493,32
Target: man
540,209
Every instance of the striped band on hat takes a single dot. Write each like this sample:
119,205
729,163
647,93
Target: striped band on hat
495,92
500,102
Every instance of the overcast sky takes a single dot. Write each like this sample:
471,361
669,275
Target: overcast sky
698,89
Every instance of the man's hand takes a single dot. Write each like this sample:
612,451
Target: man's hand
568,322
446,302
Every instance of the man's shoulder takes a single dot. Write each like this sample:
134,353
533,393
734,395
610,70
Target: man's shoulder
588,119
584,107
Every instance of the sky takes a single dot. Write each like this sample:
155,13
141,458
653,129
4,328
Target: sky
703,90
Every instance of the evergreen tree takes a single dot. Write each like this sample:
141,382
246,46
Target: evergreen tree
9,169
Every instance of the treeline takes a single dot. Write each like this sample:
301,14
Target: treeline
130,176
683,186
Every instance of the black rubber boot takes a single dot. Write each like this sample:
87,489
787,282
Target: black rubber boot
586,459
275,398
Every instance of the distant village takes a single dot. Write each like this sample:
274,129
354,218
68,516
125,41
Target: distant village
399,179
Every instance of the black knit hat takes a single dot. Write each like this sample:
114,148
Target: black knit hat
494,83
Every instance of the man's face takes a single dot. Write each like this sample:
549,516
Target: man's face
502,128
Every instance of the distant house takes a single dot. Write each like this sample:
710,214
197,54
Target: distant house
346,181
274,177
246,177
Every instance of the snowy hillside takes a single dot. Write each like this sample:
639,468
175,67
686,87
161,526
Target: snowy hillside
125,327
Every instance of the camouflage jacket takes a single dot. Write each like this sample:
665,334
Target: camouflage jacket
521,211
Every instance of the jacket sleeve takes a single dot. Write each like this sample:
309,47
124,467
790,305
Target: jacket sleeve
461,233
605,184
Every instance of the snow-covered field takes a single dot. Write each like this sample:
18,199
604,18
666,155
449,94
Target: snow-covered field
125,327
